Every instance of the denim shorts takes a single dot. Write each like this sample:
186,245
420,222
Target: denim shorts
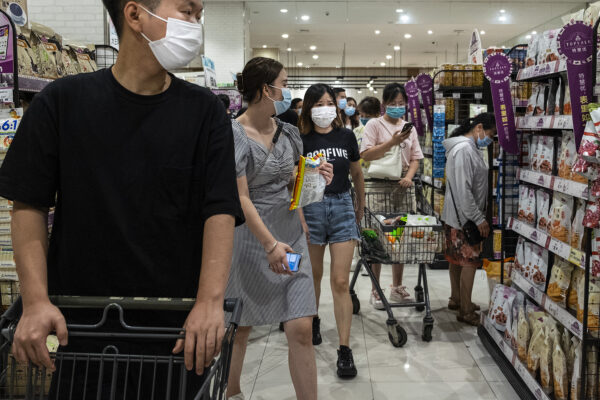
332,220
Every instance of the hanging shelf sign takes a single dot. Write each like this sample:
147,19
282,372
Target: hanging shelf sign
414,106
497,69
425,84
7,58
575,43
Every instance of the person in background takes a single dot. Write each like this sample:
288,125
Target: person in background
226,102
333,221
467,184
340,98
297,105
380,135
289,117
350,115
154,200
266,151
368,108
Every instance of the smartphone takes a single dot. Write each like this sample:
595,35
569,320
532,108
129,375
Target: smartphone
294,260
407,127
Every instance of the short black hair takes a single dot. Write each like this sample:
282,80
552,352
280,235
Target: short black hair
258,72
370,106
225,99
295,103
392,90
115,10
487,120
338,90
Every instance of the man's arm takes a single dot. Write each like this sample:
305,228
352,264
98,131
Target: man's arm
40,318
205,325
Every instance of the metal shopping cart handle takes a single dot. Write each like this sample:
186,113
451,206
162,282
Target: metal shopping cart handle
11,316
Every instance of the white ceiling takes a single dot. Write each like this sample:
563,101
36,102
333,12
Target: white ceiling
353,23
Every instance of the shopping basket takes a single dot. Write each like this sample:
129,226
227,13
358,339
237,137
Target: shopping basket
112,374
386,239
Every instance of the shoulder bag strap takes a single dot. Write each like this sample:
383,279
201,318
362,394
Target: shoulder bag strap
454,202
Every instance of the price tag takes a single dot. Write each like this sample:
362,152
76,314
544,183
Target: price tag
456,95
439,95
478,96
6,95
577,257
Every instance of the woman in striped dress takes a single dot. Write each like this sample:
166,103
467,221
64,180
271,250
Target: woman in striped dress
266,151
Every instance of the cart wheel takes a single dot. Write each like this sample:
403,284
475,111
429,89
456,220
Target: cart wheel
355,304
427,333
420,299
397,335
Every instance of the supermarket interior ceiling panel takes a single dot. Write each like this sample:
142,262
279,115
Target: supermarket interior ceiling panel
394,33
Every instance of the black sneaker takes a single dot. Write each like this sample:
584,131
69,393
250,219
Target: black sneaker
345,364
281,328
317,339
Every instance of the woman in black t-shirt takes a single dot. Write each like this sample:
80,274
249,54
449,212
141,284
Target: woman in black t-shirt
334,220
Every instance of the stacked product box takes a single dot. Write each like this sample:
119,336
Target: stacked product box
439,134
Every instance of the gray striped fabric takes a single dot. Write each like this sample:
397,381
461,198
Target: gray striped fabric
270,298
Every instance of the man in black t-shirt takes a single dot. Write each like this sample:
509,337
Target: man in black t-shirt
140,165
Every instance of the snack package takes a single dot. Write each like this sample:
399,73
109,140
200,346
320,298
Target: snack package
568,156
527,204
310,184
577,228
543,209
25,53
536,346
540,104
567,110
593,301
520,262
585,170
536,268
560,373
500,306
552,95
532,101
535,150
560,93
69,61
513,333
560,279
570,350
590,143
546,363
591,219
546,154
560,217
532,50
522,334
45,49
419,237
576,377
84,58
572,300
549,51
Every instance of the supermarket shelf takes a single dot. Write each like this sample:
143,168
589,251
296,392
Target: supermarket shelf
428,151
32,84
428,181
543,239
563,316
542,72
515,371
545,122
459,89
555,183
520,103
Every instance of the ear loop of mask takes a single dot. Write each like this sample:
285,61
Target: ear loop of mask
155,16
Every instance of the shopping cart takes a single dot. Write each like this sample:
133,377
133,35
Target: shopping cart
112,374
397,243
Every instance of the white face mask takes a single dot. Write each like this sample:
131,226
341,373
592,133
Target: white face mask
323,116
181,44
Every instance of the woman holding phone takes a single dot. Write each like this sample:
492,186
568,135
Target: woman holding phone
266,151
333,221
380,136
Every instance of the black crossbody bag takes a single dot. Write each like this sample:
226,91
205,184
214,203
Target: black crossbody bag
469,229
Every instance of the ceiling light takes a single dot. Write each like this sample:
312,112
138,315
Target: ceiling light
264,46
502,18
305,17
404,18
482,32
368,85
337,82
534,32
528,37
359,92
300,64
503,47
375,92
338,67
289,49
399,10
377,32
308,66
396,48
371,82
285,36
313,48
407,36
382,64
430,32
389,57
371,89
315,56
502,11
284,10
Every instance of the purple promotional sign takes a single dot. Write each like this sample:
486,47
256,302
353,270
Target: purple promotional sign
497,69
575,43
7,62
414,107
425,85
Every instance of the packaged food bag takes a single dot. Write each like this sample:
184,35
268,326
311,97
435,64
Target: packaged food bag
527,204
577,228
576,377
535,150
546,363
46,50
522,334
572,300
567,110
520,262
546,155
560,373
560,279
570,351
25,53
560,217
532,101
310,184
585,170
532,50
559,94
591,219
543,208
536,269
541,100
590,143
568,156
512,327
536,346
593,301
500,308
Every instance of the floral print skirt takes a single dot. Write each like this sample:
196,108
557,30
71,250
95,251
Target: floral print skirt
458,251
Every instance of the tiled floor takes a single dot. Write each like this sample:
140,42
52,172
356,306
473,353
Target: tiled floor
455,365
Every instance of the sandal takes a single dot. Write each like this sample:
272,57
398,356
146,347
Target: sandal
473,319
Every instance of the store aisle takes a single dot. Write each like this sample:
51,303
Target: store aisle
455,365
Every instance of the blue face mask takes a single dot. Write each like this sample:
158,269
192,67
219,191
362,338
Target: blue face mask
342,103
282,106
395,112
364,121
350,111
485,142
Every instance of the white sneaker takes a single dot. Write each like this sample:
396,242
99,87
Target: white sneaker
376,301
399,294
239,396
